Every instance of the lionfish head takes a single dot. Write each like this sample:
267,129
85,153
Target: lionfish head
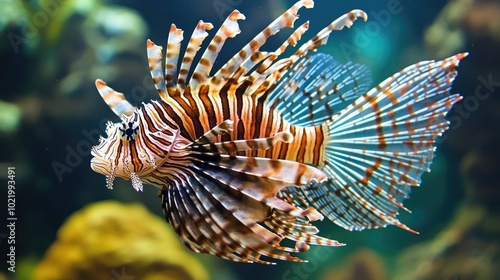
129,151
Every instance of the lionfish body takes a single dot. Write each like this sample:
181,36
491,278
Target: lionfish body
254,153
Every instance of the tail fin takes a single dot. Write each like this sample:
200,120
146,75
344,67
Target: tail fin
379,146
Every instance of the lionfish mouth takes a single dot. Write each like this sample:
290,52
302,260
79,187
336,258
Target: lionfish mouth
99,165
103,167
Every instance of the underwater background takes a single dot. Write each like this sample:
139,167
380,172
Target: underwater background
70,226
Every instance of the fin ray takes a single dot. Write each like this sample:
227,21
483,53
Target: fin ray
114,99
175,37
198,36
317,88
155,68
379,146
246,55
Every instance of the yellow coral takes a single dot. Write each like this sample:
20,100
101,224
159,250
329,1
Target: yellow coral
110,240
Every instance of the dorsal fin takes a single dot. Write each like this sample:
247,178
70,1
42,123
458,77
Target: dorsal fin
266,74
199,34
278,68
291,41
154,61
248,56
318,87
261,74
321,38
312,44
229,29
172,56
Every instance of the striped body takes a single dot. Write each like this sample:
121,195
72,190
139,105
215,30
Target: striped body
256,152
252,118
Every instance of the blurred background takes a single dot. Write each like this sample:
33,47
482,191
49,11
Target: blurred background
69,226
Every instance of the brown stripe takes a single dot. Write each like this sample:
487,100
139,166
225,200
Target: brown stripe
161,140
147,142
134,157
240,134
370,170
147,119
378,119
193,113
257,116
300,171
277,126
179,123
118,152
208,106
318,143
204,61
391,96
270,125
169,112
213,47
110,146
224,98
302,147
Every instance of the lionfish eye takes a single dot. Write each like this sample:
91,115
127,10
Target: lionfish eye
129,130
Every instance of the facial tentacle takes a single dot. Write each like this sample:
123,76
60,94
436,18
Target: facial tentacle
136,180
111,177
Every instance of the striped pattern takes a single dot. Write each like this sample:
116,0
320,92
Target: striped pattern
254,153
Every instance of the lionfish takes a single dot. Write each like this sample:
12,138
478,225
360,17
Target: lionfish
254,153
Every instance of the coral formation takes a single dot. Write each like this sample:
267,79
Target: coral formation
111,240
